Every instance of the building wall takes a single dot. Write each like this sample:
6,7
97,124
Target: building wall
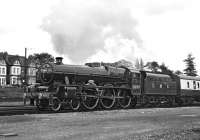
2,72
15,73
12,70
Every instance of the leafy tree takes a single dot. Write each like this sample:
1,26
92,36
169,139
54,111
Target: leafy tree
190,66
165,69
123,63
153,66
41,58
178,72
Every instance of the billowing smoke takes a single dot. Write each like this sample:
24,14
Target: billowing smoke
80,29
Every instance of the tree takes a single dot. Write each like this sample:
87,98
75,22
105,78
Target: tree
139,64
41,58
153,66
165,69
178,72
123,63
190,66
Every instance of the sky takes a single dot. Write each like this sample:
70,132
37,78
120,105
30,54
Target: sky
103,30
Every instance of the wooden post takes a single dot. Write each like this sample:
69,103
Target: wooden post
25,67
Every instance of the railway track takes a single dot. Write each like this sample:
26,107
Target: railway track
19,109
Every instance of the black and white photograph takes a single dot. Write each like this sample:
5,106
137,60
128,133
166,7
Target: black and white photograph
99,70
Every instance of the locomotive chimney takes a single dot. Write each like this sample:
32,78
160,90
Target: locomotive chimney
59,60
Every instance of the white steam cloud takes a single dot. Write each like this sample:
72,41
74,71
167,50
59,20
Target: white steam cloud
82,30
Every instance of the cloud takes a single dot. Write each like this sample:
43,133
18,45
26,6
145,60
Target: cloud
157,7
1,31
80,29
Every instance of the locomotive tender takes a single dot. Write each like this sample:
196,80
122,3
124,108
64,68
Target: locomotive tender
106,87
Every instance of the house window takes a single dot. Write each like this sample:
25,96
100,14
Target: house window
4,81
17,70
14,81
13,70
161,85
198,84
17,62
2,62
0,70
188,85
3,71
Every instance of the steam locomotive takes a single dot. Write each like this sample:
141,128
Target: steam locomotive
84,87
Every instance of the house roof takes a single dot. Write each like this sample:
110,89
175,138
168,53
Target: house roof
10,59
2,55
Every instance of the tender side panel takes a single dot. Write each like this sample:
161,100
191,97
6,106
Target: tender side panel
159,84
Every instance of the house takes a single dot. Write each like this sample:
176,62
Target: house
14,68
2,71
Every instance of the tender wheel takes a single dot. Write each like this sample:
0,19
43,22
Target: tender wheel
145,101
75,104
124,98
179,101
56,104
107,98
165,101
90,98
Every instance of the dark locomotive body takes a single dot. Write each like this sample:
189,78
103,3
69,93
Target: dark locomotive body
84,87
90,87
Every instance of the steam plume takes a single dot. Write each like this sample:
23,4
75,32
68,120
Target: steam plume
81,28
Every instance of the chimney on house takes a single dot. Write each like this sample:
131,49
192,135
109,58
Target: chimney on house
59,60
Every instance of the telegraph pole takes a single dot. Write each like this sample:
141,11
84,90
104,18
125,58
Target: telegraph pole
25,67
